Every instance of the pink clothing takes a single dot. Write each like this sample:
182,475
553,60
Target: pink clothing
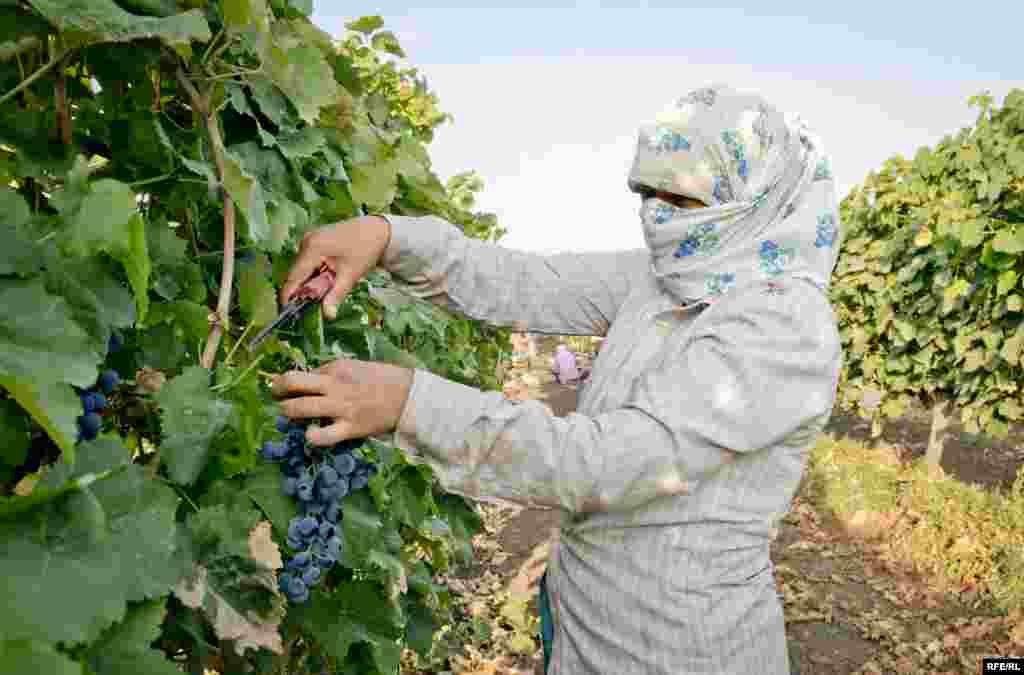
565,365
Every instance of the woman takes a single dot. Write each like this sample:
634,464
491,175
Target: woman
565,370
718,371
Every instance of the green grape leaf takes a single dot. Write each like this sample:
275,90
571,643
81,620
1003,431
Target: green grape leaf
30,656
410,497
19,254
243,15
99,302
233,582
302,144
46,557
419,628
1009,241
99,221
263,486
1007,280
286,217
301,72
247,194
43,342
374,185
354,613
387,42
365,24
124,648
360,529
137,266
53,405
192,318
85,22
256,295
271,102
193,415
383,349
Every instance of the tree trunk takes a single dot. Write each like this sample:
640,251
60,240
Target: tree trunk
941,417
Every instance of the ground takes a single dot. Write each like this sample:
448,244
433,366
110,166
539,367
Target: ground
849,607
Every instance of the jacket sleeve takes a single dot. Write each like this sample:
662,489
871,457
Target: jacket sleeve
569,293
754,371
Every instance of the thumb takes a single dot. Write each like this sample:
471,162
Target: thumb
334,297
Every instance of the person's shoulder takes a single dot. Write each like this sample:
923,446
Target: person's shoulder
786,306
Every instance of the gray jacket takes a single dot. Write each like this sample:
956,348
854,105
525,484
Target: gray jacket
688,445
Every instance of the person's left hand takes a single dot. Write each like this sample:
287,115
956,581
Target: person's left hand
363,398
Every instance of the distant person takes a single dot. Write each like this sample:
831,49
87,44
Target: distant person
565,370
718,372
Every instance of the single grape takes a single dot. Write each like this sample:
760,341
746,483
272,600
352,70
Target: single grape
311,575
326,530
289,486
304,490
334,546
297,590
333,512
115,343
301,560
308,525
328,476
108,380
89,426
340,489
282,423
359,481
313,508
99,401
344,464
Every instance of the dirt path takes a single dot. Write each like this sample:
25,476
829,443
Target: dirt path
848,608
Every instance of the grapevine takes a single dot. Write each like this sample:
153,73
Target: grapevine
160,161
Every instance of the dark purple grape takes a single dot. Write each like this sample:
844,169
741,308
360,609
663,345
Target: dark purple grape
340,489
295,543
297,591
308,526
313,508
326,530
289,486
344,464
89,426
359,481
300,561
311,575
296,438
282,423
304,490
108,380
328,476
333,546
115,343
333,512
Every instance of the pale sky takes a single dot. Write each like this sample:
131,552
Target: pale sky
547,97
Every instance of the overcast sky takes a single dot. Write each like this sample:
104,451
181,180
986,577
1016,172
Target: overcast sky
547,97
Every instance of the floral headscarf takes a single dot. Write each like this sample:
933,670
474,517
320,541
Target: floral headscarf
768,185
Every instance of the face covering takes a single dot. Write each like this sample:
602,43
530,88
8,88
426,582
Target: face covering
772,210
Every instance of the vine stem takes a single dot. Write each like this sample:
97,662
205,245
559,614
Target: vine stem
220,321
27,82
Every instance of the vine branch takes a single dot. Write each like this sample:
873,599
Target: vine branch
42,70
220,319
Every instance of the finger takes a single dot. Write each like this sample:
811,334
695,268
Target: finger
303,268
306,407
297,383
331,435
336,369
343,283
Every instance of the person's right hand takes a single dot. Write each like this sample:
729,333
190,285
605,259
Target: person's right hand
350,249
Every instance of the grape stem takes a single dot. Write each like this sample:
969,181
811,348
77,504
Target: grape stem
220,318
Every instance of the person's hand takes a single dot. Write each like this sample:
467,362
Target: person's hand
350,249
362,397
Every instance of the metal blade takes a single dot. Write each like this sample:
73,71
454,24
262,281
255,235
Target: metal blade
288,312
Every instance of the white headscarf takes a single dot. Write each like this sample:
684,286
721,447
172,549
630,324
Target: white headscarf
772,206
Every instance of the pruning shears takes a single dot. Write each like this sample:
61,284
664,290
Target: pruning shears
309,294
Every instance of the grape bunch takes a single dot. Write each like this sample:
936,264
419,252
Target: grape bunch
318,478
95,402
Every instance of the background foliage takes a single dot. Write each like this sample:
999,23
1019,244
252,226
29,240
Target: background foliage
159,160
928,287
